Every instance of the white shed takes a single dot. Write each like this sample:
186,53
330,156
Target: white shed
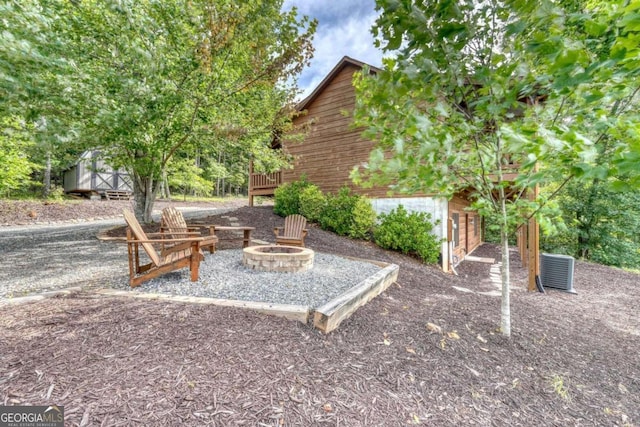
91,175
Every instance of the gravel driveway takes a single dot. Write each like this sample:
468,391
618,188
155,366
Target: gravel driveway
42,258
49,258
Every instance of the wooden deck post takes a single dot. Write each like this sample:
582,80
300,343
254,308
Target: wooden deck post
250,183
523,244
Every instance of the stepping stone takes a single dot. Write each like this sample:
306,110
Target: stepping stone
260,242
461,289
480,259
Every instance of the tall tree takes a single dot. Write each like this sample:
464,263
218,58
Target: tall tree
15,167
495,97
600,224
161,75
33,66
37,78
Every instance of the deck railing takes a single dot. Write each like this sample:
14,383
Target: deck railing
263,184
265,181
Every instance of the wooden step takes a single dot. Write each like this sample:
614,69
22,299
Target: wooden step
118,195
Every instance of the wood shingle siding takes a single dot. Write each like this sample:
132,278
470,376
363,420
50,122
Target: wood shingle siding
468,239
332,146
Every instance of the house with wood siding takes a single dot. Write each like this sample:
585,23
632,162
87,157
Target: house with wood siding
332,147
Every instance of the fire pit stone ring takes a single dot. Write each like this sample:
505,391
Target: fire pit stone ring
278,258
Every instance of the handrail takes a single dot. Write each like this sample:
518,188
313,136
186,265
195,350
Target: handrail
265,180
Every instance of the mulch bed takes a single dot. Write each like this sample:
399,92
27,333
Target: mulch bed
571,359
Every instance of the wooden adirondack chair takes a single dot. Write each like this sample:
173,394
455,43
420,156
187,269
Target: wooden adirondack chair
293,232
182,253
173,223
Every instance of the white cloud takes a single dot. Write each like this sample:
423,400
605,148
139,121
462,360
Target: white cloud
344,29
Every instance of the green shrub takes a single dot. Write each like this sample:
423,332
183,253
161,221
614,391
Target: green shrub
287,197
56,193
348,214
337,212
363,219
409,233
16,144
312,203
285,200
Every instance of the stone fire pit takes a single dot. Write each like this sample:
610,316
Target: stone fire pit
288,259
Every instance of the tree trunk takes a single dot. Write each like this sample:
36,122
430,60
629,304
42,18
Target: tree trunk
165,191
144,195
218,180
586,221
505,308
46,180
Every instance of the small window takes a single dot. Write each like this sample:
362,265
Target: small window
476,220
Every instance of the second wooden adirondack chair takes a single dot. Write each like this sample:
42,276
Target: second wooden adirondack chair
293,232
173,223
182,253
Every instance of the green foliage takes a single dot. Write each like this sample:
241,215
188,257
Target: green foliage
492,235
287,197
41,83
312,203
15,166
336,215
601,225
409,233
363,219
34,65
144,80
495,98
185,175
345,213
348,214
57,194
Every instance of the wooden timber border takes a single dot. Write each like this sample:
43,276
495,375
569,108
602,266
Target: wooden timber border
329,316
291,312
325,318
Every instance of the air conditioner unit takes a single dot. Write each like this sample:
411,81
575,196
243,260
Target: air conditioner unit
556,271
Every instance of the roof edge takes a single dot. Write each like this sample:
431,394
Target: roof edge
346,60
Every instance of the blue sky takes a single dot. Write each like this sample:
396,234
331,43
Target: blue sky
344,28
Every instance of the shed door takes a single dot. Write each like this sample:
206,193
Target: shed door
103,175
